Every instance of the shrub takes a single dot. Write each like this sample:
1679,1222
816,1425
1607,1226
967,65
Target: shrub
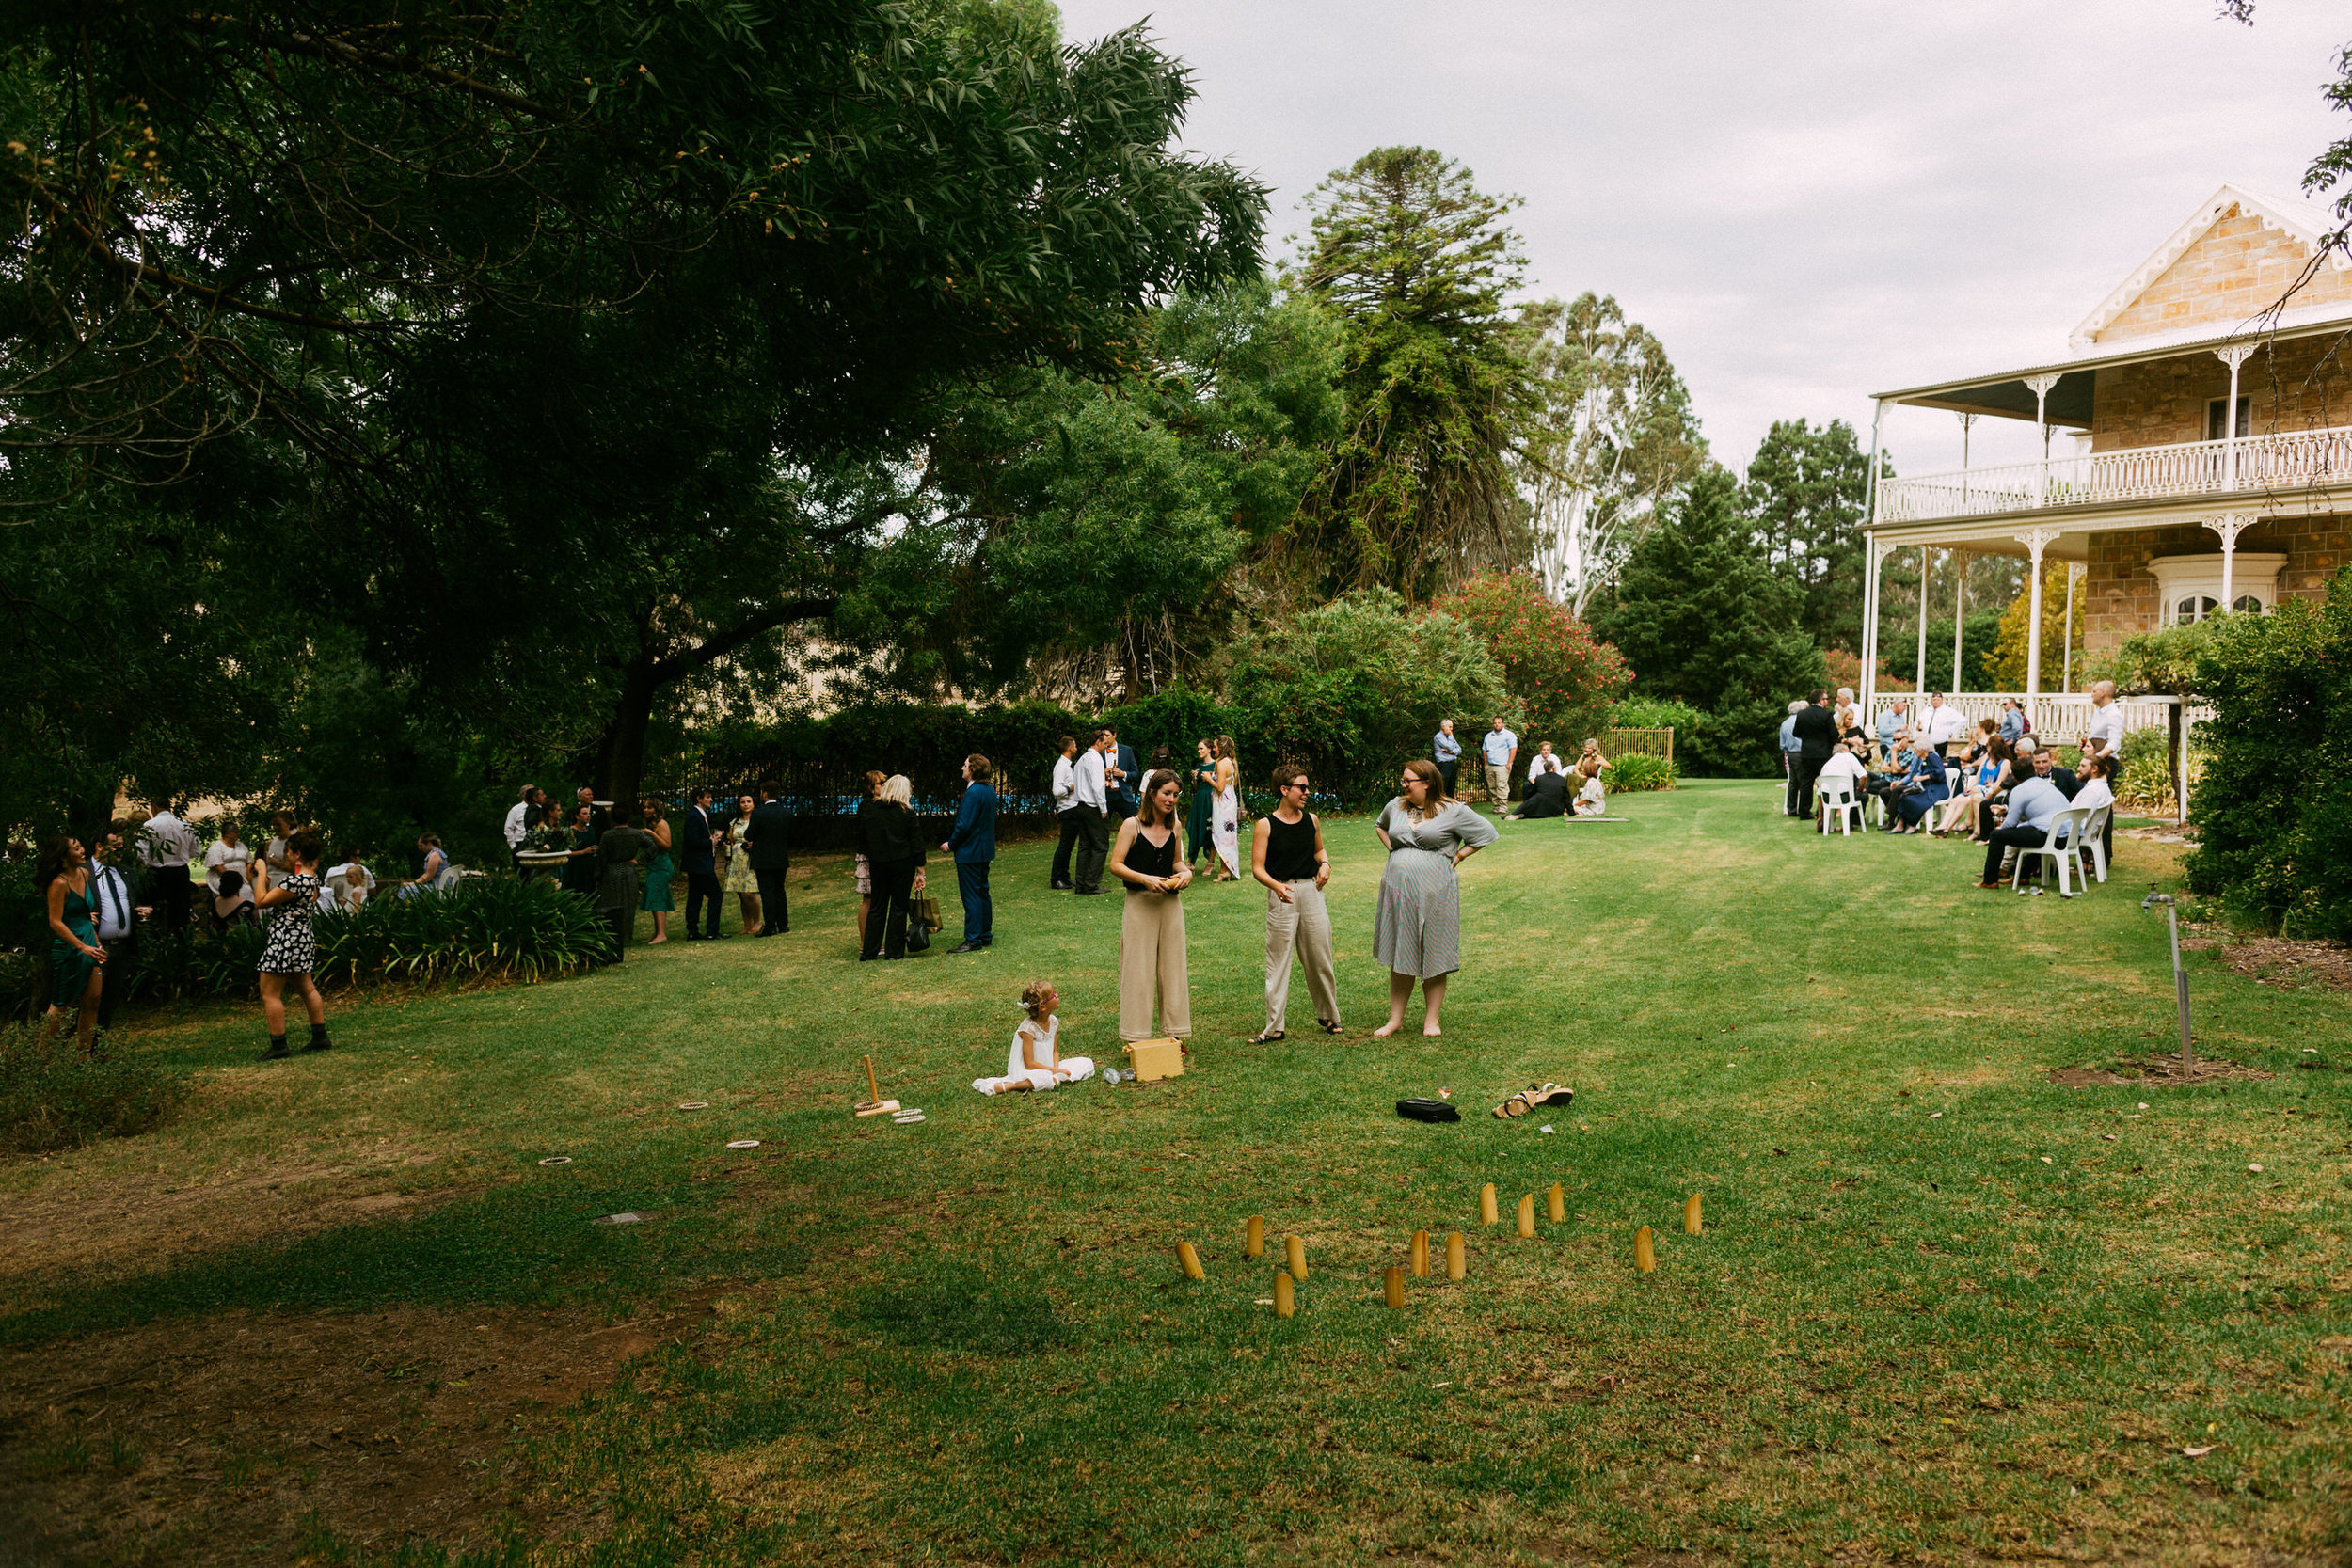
1565,679
1653,713
1635,773
51,1099
484,926
2145,780
2274,808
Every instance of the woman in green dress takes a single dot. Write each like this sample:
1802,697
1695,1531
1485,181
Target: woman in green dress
1203,803
62,878
657,900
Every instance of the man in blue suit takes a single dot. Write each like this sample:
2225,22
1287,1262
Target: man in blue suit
701,873
768,839
972,841
1124,780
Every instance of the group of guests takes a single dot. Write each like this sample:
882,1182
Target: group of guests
1994,783
1549,778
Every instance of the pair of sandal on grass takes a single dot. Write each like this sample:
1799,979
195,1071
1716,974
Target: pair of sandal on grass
1534,1096
1270,1037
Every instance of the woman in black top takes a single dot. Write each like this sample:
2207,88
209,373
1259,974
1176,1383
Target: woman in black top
1204,796
1149,859
894,857
1288,858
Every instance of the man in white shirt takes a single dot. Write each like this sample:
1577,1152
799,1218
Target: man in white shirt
518,817
1094,813
1500,749
1543,761
1065,810
1940,724
2094,792
2106,729
116,921
165,846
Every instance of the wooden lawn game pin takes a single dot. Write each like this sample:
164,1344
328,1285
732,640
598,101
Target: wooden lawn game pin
874,1104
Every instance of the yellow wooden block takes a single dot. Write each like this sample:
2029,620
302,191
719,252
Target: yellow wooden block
1285,1298
1191,1261
1488,1213
1691,1216
1527,1214
1557,1201
1644,1251
1157,1059
1294,1251
1393,1285
1253,1237
1420,1255
1456,1256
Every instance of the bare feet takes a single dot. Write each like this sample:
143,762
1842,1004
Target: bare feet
1431,1029
656,942
1389,1028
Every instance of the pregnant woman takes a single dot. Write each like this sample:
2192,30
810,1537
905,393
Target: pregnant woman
1418,931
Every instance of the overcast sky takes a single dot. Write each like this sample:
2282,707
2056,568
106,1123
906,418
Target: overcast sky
1808,203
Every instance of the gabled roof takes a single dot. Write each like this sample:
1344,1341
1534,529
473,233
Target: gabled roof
2290,215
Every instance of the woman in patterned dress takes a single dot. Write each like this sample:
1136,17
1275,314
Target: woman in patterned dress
290,950
656,900
742,880
1225,812
1419,932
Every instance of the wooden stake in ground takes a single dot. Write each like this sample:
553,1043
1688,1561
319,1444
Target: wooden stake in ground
1556,1202
1420,1255
1285,1302
1488,1213
1456,1256
1191,1261
874,1104
1253,1237
1527,1214
1644,1253
1691,1216
1393,1285
1294,1252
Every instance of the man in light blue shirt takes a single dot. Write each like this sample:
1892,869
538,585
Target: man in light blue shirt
2032,803
1447,752
1790,747
1890,725
1501,751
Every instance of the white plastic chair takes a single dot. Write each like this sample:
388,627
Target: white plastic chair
2058,848
2094,844
1839,798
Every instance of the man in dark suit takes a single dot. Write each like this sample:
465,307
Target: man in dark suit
768,837
1816,728
695,852
972,841
1123,780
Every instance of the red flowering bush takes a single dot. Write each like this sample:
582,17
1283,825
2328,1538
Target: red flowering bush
1564,676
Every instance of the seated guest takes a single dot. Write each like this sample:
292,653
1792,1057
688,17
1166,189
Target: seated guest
429,875
1849,717
1590,799
232,897
1921,787
1844,768
2097,789
2044,766
2032,803
348,886
1546,795
1546,760
1986,775
1591,753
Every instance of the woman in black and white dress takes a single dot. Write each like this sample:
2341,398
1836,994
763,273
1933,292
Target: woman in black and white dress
291,951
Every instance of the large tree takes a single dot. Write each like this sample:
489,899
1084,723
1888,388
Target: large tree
1702,619
1803,493
1613,438
563,325
1420,265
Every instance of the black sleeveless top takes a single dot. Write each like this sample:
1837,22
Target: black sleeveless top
1290,849
1142,857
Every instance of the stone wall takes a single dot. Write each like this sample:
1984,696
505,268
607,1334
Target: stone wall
2120,593
2232,273
2301,384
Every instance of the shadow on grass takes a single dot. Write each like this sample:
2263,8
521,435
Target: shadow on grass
537,1245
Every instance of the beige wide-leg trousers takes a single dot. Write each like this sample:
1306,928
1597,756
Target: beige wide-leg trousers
1151,958
1303,925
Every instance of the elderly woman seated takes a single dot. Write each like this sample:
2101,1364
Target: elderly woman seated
1919,789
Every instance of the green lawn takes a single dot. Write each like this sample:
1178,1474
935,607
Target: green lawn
1942,1311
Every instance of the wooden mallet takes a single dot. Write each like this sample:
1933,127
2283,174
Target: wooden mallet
874,1104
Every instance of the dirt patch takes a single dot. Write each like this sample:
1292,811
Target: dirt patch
2082,1077
94,1229
2278,962
2157,1072
205,1441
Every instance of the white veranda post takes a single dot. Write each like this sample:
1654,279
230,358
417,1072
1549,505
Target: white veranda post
1871,574
2234,355
1919,671
2041,384
1967,424
1960,608
2229,525
2036,540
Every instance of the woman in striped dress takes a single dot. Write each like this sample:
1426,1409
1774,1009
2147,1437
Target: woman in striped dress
1419,932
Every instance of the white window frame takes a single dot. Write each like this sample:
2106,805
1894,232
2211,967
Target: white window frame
2253,574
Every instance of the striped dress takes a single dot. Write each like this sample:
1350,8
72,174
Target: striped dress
1419,931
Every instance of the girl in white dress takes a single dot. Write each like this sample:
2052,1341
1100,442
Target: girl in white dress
1225,811
1036,1062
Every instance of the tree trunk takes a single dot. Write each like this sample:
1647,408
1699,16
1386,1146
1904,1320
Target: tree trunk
621,765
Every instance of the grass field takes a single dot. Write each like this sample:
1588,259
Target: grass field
1943,1310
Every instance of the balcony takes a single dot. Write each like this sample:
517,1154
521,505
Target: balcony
2288,460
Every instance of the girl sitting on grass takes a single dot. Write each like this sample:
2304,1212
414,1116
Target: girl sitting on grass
1035,1062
